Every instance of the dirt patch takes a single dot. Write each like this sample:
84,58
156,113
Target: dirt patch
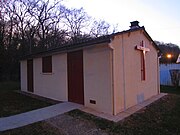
69,125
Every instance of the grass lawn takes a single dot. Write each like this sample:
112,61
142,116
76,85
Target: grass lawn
170,89
12,103
160,118
9,86
40,128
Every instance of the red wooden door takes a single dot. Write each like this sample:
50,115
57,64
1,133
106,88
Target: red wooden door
75,77
30,87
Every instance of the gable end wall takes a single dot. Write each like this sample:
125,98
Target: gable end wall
128,86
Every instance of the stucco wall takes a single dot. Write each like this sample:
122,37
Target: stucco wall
109,69
52,85
23,66
97,78
136,89
129,89
118,76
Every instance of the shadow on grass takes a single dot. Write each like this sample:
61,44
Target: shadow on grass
170,89
9,86
12,103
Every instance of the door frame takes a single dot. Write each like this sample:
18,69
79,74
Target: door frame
75,76
30,77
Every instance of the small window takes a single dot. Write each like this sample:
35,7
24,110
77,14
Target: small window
47,64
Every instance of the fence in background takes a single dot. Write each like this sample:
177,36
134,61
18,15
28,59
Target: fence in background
165,76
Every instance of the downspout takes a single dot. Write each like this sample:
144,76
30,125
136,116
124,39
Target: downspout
158,72
123,63
112,75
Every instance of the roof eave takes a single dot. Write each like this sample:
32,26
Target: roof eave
66,48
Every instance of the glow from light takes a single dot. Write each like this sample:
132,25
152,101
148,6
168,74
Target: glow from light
169,56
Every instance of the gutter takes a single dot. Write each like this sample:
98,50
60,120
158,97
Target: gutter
123,63
158,78
112,75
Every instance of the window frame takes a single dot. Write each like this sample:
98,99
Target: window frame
47,64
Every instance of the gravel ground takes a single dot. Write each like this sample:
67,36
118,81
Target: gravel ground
72,126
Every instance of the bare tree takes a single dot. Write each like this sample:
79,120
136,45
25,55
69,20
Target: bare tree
16,16
101,27
75,21
35,19
2,5
46,16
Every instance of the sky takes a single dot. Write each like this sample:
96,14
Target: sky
161,18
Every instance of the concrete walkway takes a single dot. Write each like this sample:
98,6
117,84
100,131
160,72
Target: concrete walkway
27,118
122,115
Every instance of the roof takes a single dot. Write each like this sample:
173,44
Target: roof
71,46
86,43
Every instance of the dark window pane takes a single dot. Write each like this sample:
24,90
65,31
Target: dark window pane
47,64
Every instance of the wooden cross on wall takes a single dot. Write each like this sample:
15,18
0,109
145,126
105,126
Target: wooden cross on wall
143,49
